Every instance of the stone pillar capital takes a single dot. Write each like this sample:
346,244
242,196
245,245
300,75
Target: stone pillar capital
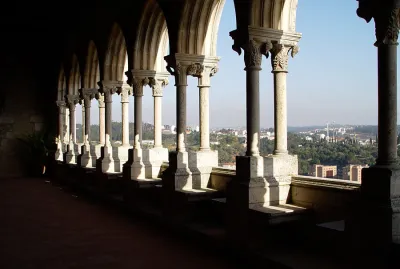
61,103
72,100
386,15
87,95
100,98
124,92
252,54
157,85
108,88
280,56
138,83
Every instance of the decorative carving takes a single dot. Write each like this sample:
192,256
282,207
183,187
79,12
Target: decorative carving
252,54
266,48
100,98
124,92
280,56
195,70
214,70
138,83
178,69
60,103
72,100
87,95
386,16
387,27
157,85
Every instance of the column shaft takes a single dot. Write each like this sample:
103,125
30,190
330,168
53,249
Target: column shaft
138,121
102,125
387,104
108,118
204,118
157,121
253,110
83,131
61,119
280,115
181,117
72,124
87,122
125,123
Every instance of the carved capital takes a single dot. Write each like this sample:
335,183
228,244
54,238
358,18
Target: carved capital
387,27
252,54
280,56
157,86
124,92
100,98
87,95
138,83
60,103
386,16
195,70
72,100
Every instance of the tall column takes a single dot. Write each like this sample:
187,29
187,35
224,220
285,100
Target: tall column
108,92
181,86
72,101
83,121
87,95
102,118
138,84
157,87
61,120
125,91
279,62
252,59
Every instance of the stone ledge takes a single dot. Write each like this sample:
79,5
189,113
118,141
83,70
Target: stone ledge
325,183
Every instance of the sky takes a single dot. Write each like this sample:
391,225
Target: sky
333,78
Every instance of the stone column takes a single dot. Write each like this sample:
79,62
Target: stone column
83,121
125,91
138,84
102,118
61,123
252,59
380,184
279,61
87,156
157,87
202,162
203,73
181,85
71,154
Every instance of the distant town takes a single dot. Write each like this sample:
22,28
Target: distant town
333,151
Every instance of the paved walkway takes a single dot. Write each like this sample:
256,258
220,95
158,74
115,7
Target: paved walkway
44,227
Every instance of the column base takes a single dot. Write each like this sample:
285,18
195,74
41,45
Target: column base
268,178
59,155
121,154
134,167
88,157
178,175
153,159
200,165
72,154
380,202
107,163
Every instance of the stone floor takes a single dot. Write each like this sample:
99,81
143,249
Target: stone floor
43,226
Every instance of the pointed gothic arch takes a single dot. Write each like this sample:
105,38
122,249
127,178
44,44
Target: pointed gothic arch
74,81
115,56
199,27
61,85
152,39
92,70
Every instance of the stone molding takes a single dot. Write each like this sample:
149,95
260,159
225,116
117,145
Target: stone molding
125,91
326,183
386,16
